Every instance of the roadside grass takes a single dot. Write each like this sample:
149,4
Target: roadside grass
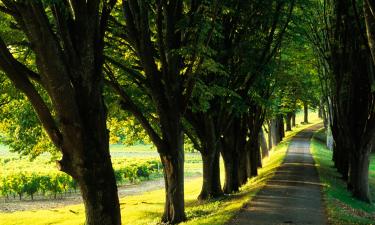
341,207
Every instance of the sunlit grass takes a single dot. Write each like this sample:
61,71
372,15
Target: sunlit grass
342,208
147,208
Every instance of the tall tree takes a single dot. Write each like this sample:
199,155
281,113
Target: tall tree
167,39
345,55
66,38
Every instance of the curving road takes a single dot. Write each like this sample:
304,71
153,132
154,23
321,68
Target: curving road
293,195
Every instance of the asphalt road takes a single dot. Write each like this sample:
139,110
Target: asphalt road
293,195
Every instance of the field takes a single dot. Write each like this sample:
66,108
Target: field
21,179
342,208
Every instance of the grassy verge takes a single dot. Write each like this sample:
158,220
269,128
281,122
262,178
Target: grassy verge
147,208
341,207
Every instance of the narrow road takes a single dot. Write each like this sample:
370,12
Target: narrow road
293,195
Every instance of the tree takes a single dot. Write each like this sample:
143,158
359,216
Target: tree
344,53
66,39
167,39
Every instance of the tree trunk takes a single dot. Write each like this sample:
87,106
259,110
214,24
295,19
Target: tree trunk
99,193
270,136
231,183
342,161
254,156
263,144
293,119
306,113
358,182
288,121
320,112
244,166
275,132
211,187
206,139
280,126
87,159
173,164
231,159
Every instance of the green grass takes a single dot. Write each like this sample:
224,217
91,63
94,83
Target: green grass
341,207
147,208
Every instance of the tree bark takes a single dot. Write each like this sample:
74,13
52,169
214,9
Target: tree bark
305,112
206,139
275,132
254,157
231,183
263,144
211,187
358,181
244,166
369,14
231,158
270,134
293,119
99,193
288,121
173,164
172,158
280,126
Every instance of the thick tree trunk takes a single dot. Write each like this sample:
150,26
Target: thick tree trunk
231,183
320,112
254,157
305,112
280,126
293,119
288,121
341,159
99,193
173,164
263,144
358,182
231,158
244,166
275,132
270,137
211,187
87,159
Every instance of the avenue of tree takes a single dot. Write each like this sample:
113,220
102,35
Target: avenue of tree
221,75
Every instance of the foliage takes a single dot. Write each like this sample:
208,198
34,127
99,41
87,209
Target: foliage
49,182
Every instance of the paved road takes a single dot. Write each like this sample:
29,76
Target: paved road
293,195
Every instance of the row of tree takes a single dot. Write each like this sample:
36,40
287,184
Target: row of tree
211,71
342,33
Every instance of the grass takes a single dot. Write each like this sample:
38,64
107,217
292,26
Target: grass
147,208
341,207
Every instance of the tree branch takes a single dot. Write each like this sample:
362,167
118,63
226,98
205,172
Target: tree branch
128,105
16,72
